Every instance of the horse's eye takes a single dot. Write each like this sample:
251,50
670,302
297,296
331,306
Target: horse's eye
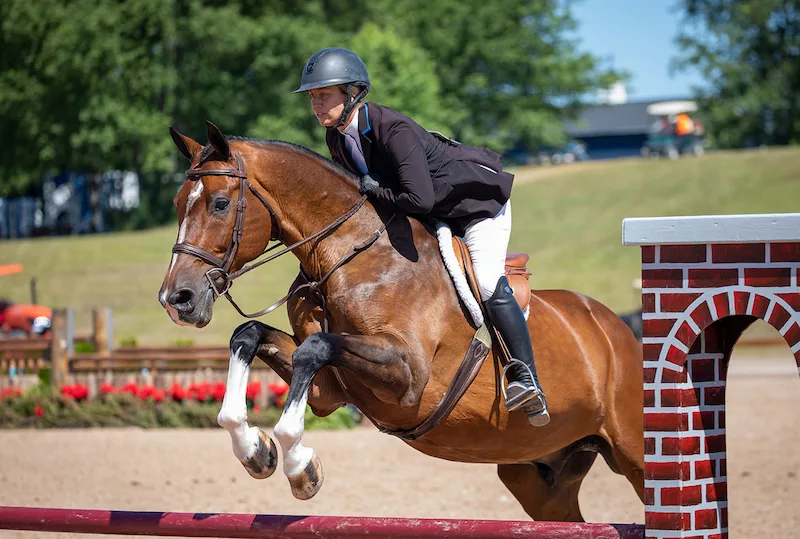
221,204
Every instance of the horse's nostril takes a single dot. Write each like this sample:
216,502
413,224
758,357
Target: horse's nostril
182,300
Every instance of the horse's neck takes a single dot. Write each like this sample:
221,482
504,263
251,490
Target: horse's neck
310,195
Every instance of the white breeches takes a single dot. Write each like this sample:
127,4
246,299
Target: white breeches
487,241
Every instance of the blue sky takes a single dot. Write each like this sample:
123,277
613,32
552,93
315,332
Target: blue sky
638,36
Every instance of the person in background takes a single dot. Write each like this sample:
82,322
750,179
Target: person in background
30,319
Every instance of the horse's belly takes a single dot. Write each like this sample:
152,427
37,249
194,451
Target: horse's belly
508,438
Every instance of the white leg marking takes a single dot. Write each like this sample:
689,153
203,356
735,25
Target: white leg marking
233,415
193,196
289,432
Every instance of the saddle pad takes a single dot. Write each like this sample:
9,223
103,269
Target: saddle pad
459,266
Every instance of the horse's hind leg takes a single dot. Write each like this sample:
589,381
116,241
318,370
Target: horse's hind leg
254,449
628,454
549,492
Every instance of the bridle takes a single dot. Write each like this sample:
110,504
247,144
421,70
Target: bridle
221,266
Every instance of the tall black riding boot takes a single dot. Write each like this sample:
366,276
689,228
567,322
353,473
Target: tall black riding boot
523,390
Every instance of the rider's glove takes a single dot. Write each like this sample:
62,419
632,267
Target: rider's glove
367,185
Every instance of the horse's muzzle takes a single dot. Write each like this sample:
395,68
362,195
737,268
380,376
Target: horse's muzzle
189,308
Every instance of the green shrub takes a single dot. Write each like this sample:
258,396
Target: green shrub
84,347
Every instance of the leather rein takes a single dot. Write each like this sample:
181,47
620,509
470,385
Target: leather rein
222,266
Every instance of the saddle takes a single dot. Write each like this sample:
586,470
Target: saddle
516,272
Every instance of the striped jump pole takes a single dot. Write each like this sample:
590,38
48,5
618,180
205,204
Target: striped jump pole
704,281
296,527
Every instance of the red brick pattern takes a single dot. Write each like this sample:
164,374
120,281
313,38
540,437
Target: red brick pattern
773,277
662,278
648,254
675,303
686,288
683,253
784,252
724,253
713,277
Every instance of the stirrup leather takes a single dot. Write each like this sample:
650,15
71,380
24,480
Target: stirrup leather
525,398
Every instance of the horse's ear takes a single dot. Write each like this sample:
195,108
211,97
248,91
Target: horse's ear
217,139
187,146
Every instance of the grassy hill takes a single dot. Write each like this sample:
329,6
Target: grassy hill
568,218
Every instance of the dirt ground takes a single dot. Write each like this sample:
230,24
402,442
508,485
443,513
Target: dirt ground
371,474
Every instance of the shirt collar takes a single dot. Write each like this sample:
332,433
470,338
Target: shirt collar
352,127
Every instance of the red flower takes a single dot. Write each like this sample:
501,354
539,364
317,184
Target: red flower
177,392
107,389
67,391
38,411
145,392
278,389
130,387
80,392
253,389
159,394
199,391
218,391
11,392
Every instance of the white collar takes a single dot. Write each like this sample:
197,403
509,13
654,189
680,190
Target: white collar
352,127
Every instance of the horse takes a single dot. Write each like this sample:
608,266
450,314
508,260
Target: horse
377,323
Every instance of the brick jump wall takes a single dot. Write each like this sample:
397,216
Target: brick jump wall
704,281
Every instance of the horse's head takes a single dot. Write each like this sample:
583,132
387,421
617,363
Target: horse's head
214,206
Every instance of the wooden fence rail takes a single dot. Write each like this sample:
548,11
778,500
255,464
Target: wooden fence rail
22,360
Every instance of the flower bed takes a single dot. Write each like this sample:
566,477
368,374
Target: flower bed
144,406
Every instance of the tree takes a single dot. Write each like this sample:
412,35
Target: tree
92,85
509,72
749,53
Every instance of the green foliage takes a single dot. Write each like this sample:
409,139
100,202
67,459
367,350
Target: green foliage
123,410
403,76
128,341
749,54
508,71
93,85
84,347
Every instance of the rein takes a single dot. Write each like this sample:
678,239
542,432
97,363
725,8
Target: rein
222,266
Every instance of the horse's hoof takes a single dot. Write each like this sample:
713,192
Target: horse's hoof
265,460
308,482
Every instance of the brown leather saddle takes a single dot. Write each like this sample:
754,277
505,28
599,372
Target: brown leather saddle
516,272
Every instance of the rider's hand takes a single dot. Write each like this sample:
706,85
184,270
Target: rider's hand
367,185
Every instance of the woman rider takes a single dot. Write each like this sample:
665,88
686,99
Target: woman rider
408,169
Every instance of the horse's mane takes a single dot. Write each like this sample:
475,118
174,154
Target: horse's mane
333,166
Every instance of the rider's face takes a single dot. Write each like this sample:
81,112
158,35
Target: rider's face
327,104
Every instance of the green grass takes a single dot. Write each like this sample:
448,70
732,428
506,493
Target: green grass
569,221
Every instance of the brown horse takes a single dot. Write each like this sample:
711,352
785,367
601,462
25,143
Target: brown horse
396,331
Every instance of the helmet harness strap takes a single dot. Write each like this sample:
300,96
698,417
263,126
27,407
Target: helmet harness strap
351,103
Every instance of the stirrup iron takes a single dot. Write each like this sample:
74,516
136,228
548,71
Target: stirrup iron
526,397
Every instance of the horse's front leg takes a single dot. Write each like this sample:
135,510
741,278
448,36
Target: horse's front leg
381,359
254,449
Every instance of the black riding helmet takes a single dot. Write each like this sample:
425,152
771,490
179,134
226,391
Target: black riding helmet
332,67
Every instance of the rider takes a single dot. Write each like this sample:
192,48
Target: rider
404,167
